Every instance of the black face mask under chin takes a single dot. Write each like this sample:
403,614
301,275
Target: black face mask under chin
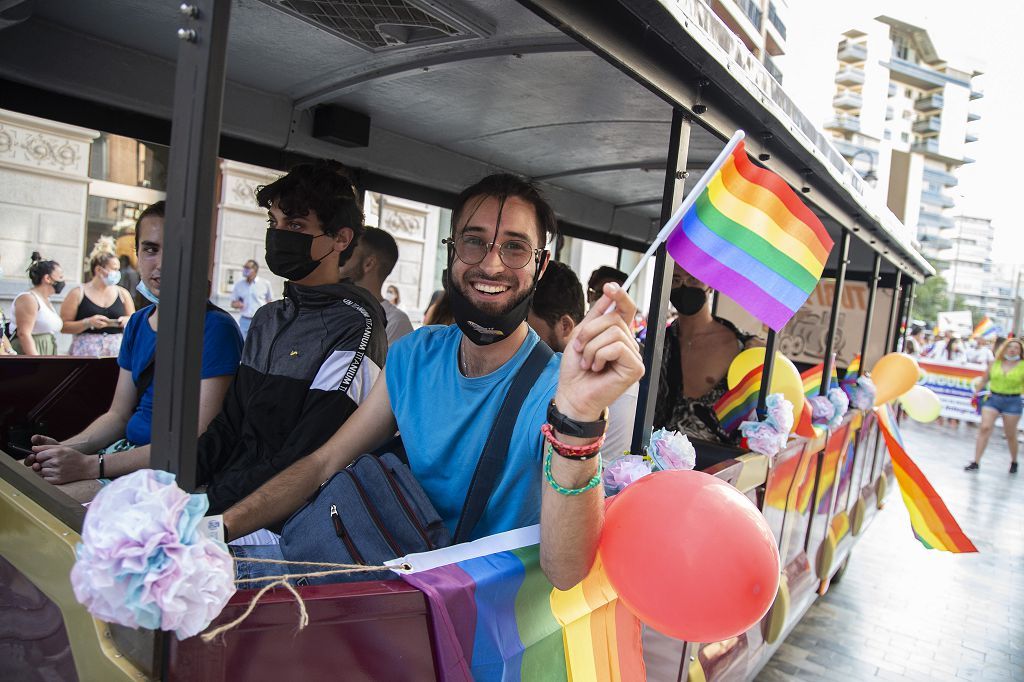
288,254
483,328
688,300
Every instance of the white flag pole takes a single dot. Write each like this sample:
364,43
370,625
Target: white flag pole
690,199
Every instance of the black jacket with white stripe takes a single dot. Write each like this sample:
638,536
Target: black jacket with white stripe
308,361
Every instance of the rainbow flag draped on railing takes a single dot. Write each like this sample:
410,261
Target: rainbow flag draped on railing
985,327
748,235
933,524
739,404
496,616
812,379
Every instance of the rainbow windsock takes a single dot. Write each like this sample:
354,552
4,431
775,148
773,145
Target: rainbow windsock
932,523
749,235
986,327
496,616
812,379
739,404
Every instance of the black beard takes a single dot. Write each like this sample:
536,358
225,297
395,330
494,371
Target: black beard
497,312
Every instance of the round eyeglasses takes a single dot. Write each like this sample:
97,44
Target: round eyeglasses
471,250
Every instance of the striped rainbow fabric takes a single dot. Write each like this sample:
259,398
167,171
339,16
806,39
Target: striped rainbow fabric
932,523
812,379
854,367
496,616
739,404
985,327
750,236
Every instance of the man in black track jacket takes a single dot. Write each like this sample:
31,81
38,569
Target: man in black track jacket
310,358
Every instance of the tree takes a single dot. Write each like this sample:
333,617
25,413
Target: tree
931,298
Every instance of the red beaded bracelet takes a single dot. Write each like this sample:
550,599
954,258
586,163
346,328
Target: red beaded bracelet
571,451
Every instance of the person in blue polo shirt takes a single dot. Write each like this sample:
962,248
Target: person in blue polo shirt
117,442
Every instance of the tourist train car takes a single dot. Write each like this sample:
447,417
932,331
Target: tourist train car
615,106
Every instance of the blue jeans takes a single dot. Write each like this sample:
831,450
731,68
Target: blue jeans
243,325
249,569
1004,404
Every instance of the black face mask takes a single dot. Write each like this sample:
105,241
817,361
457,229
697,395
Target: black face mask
483,328
688,300
58,286
288,253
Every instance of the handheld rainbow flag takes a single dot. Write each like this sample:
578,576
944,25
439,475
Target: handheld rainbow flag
496,617
744,232
854,367
932,523
805,422
812,378
986,327
739,404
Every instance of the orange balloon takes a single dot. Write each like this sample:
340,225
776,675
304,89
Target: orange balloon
894,374
690,555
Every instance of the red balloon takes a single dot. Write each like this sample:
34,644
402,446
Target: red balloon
690,555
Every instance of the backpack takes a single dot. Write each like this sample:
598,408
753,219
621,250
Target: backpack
375,510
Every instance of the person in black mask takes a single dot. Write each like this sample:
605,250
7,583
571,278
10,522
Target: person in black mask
699,348
310,358
442,388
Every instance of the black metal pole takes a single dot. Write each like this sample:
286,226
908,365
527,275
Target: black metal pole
869,317
909,312
896,301
766,376
678,146
833,320
191,180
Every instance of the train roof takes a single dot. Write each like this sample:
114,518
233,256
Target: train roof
576,95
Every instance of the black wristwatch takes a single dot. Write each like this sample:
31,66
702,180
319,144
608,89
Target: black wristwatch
570,427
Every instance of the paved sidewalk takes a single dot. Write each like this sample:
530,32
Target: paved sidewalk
902,612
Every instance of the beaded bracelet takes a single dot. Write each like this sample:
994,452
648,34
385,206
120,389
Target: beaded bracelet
561,490
580,452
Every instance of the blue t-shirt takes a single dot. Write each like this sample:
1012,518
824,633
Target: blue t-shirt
222,350
445,419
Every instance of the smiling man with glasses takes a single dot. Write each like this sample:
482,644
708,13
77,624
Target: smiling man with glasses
443,387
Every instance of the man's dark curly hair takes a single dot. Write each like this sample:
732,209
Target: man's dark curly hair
324,187
559,292
501,186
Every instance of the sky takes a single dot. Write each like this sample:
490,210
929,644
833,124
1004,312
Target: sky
983,35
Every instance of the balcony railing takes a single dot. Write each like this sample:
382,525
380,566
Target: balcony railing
773,17
928,126
940,177
849,149
851,52
929,103
926,147
893,90
936,199
848,124
970,138
930,219
850,75
971,117
847,100
977,94
934,242
752,11
772,68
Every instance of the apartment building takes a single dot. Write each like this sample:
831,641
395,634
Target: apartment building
760,24
902,117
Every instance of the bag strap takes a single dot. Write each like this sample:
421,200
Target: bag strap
495,452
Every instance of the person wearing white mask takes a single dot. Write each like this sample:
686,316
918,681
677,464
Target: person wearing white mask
97,311
249,294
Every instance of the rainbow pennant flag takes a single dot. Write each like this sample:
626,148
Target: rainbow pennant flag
744,232
854,367
739,404
496,616
932,523
986,327
812,379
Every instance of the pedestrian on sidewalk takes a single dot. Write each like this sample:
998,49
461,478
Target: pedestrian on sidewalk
1005,380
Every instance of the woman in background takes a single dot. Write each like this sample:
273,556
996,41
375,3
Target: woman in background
97,311
35,319
1005,379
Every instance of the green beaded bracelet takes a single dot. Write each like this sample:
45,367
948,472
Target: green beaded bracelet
548,453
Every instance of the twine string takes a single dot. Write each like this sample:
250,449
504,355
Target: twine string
283,581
